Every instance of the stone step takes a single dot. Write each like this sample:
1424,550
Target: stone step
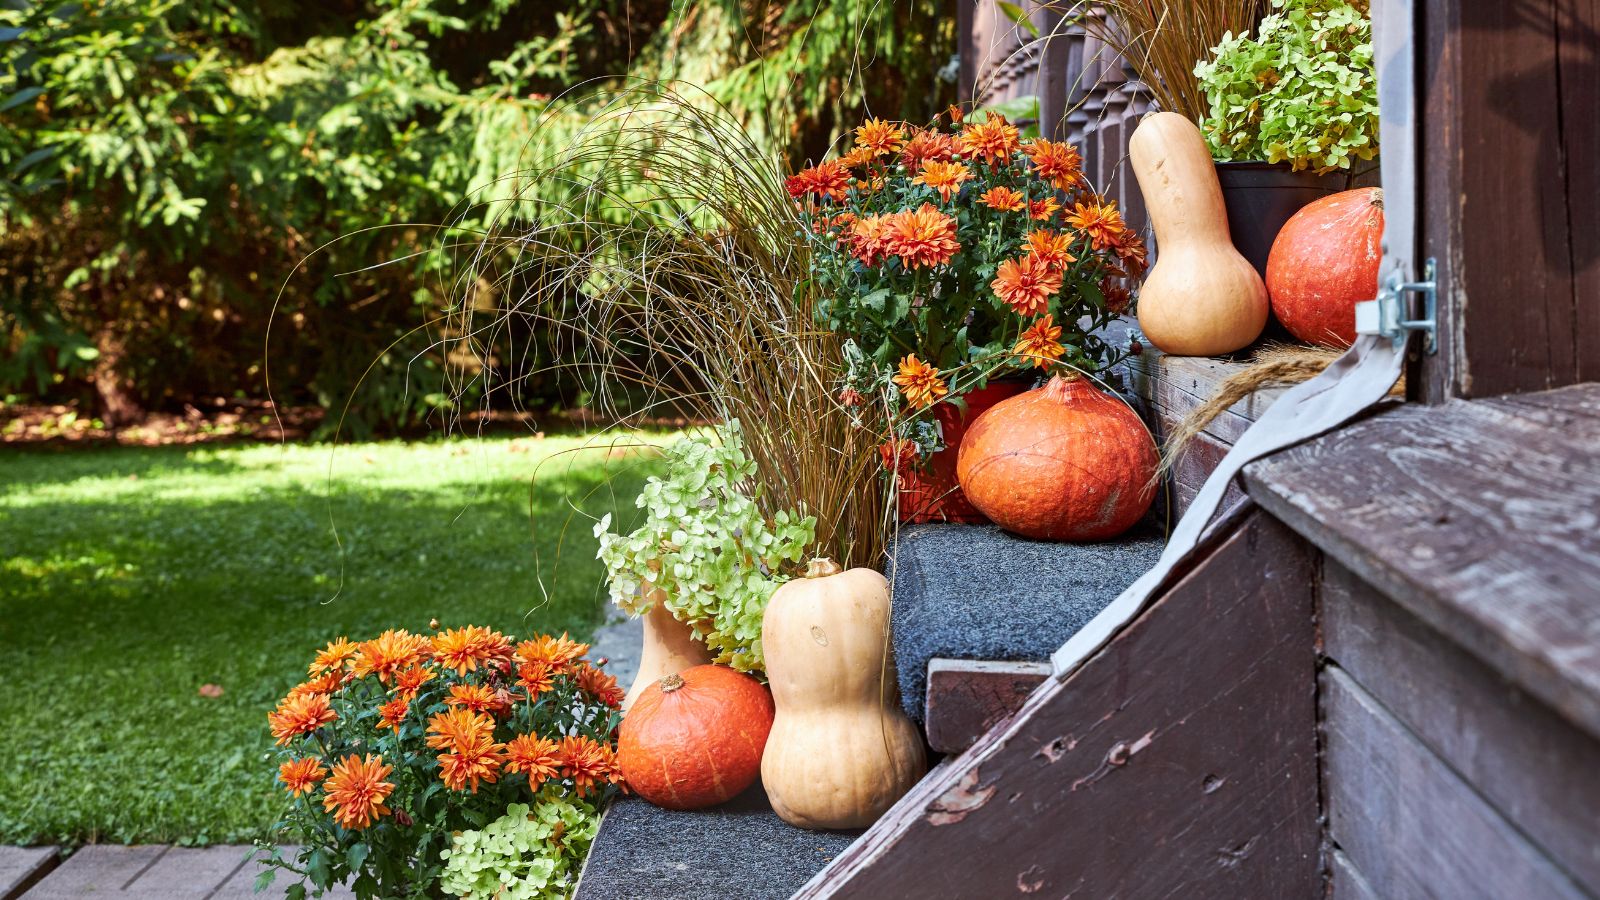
155,872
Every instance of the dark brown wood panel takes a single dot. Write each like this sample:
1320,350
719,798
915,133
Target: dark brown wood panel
1534,767
1506,207
1411,826
967,697
1178,761
1482,518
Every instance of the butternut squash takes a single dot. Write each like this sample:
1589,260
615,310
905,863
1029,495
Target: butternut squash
669,647
841,752
1202,298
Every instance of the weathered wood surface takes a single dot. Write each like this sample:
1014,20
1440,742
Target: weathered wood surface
1345,881
1482,518
155,872
1179,761
968,697
1539,771
1409,825
1509,111
21,866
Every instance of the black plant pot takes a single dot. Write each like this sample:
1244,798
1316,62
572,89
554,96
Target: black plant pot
1261,197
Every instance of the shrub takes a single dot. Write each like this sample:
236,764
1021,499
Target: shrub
530,853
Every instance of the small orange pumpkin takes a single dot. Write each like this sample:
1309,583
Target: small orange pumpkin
1065,462
695,739
1324,262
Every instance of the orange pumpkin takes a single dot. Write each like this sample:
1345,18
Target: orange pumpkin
1065,462
695,739
1324,262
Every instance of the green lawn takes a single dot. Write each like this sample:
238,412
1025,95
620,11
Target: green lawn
129,578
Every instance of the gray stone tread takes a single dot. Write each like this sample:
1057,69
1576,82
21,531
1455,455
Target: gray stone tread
155,872
18,864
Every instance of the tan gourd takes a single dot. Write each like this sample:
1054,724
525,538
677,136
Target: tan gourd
1202,298
669,647
841,752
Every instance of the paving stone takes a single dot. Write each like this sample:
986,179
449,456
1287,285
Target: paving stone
98,870
190,872
243,883
19,864
152,872
620,641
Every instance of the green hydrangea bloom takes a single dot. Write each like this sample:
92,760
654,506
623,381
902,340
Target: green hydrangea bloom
530,853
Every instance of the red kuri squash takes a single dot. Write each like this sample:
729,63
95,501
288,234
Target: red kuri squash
1324,262
1065,462
695,739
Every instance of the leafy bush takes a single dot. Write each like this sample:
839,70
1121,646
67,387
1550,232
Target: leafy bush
1302,91
527,854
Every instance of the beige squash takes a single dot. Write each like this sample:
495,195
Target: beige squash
1202,298
841,751
669,647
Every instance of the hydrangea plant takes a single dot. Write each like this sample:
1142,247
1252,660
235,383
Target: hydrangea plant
530,853
1302,91
706,545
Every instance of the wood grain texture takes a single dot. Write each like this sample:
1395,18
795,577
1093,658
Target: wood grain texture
968,697
1482,518
1540,772
1175,386
1178,761
1345,881
1411,826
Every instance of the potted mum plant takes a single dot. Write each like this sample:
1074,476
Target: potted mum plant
951,257
1292,114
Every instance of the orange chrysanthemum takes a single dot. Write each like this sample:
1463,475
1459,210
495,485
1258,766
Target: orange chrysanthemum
880,137
299,715
857,158
1003,199
333,656
533,756
1040,210
1131,252
475,697
407,682
356,791
556,652
1057,163
470,763
1040,344
828,179
457,728
1100,221
464,649
944,177
299,776
925,145
868,238
994,140
393,711
587,763
919,382
1026,284
898,455
324,684
1051,247
922,237
600,686
388,653
535,678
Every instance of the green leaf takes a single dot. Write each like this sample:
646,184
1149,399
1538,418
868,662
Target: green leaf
1018,15
356,855
20,97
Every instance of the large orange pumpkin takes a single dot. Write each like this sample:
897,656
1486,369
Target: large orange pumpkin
1065,462
695,739
1324,262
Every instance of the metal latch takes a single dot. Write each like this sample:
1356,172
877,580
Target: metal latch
1387,315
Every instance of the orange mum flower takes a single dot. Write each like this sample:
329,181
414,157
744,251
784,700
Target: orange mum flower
829,179
995,140
1041,343
919,382
1100,221
944,177
456,728
1057,163
860,156
1130,250
475,697
1040,210
599,685
393,711
388,653
299,776
922,237
409,681
1051,247
898,455
477,760
587,763
535,678
299,715
356,791
1026,284
533,756
925,145
557,653
463,649
333,656
880,137
868,238
326,684
1003,199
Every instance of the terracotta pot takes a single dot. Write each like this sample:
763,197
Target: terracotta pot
669,648
931,493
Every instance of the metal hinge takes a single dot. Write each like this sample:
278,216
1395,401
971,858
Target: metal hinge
1388,314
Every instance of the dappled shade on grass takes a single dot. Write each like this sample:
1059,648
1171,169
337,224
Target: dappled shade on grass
131,578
